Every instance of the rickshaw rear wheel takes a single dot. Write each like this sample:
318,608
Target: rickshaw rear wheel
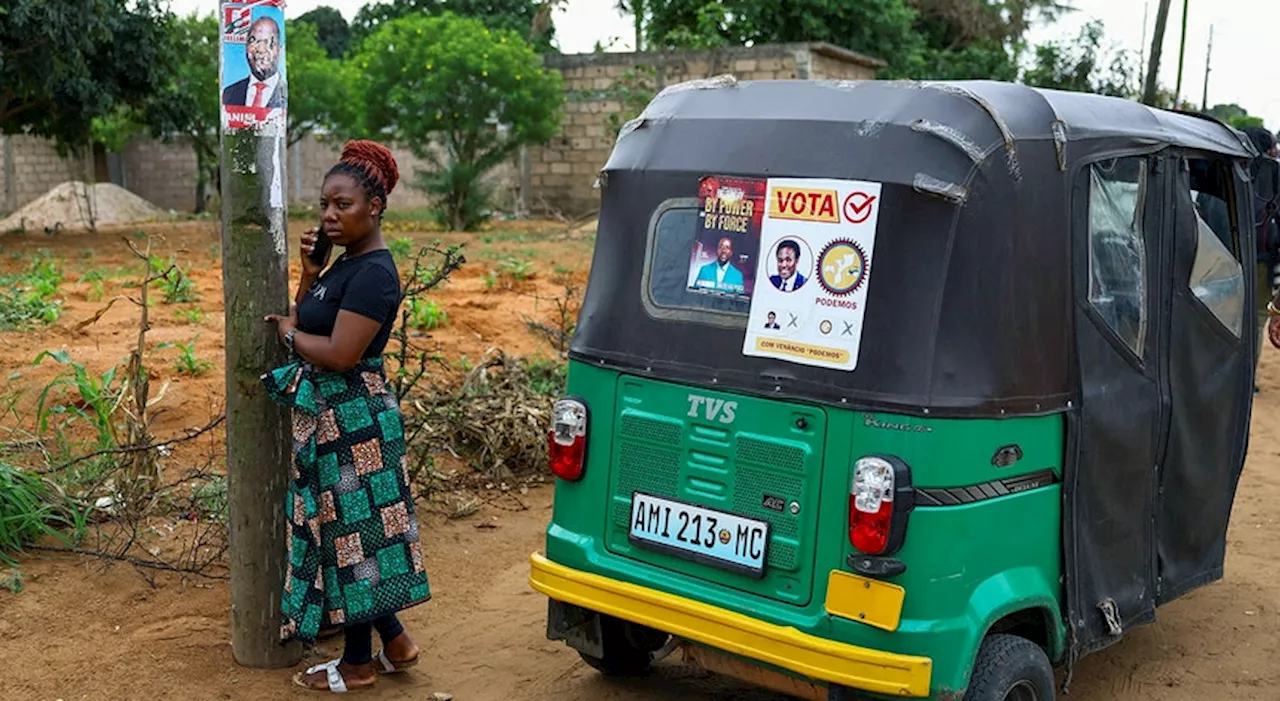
628,647
1010,668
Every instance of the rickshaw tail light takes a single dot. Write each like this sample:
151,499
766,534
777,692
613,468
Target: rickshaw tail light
880,501
869,533
567,439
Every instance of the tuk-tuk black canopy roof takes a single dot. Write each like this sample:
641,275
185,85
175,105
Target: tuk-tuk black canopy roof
969,307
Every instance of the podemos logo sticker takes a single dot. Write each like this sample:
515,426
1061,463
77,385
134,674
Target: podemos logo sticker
842,267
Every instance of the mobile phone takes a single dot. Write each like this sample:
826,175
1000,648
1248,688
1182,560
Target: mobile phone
321,249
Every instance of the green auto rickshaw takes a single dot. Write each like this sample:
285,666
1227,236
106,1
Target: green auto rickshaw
888,389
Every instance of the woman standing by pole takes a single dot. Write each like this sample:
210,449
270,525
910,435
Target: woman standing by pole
353,549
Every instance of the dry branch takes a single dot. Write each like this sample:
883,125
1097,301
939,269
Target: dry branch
191,435
136,562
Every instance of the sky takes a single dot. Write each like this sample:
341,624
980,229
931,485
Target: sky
1238,39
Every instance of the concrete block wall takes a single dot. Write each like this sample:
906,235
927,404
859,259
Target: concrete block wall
31,166
164,174
561,176
829,64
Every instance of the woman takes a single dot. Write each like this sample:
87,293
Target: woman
353,550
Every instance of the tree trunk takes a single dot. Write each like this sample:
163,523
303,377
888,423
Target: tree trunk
1157,47
202,189
255,283
637,7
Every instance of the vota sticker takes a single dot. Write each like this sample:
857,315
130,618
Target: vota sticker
804,205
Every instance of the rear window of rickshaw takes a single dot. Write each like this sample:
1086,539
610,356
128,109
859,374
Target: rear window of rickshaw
677,259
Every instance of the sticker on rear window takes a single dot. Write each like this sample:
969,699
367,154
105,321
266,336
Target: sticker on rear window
817,239
723,260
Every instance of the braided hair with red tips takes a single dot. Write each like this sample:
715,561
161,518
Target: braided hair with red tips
371,165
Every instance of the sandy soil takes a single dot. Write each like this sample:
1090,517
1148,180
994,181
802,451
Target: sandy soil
82,631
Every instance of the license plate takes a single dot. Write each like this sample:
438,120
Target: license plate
704,535
870,601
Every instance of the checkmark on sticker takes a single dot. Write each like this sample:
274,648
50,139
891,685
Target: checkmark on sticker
858,207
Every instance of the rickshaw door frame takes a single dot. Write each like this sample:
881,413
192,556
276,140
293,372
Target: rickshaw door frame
1145,520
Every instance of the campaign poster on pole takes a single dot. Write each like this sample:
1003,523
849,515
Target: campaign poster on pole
817,247
253,80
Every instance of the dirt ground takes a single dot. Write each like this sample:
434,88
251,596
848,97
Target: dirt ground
80,630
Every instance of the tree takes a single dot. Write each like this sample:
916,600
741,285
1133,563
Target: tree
639,17
880,28
1083,65
318,99
1157,48
978,38
65,64
332,30
479,93
186,107
1236,116
518,16
935,39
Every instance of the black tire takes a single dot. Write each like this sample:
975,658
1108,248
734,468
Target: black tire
628,648
1010,668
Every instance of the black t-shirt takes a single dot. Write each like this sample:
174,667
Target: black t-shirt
368,285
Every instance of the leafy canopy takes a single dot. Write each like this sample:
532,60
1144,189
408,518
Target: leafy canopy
317,94
65,64
940,39
332,30
1082,65
477,92
517,16
186,105
1236,116
879,28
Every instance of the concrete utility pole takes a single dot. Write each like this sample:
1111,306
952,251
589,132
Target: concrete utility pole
255,282
1157,48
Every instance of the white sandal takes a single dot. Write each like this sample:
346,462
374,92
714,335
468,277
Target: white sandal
337,684
386,666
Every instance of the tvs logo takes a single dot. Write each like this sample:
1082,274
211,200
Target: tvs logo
858,207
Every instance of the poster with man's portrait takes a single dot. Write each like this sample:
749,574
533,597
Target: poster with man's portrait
254,85
723,260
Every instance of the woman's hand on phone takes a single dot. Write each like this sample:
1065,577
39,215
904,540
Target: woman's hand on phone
311,269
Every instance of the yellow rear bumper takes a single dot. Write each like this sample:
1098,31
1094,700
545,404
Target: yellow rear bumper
813,657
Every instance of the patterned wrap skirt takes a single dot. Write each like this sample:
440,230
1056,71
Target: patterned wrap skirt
352,536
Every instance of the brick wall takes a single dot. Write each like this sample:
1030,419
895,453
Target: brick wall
163,174
561,176
30,167
831,63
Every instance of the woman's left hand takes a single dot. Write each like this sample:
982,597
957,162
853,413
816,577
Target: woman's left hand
284,324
